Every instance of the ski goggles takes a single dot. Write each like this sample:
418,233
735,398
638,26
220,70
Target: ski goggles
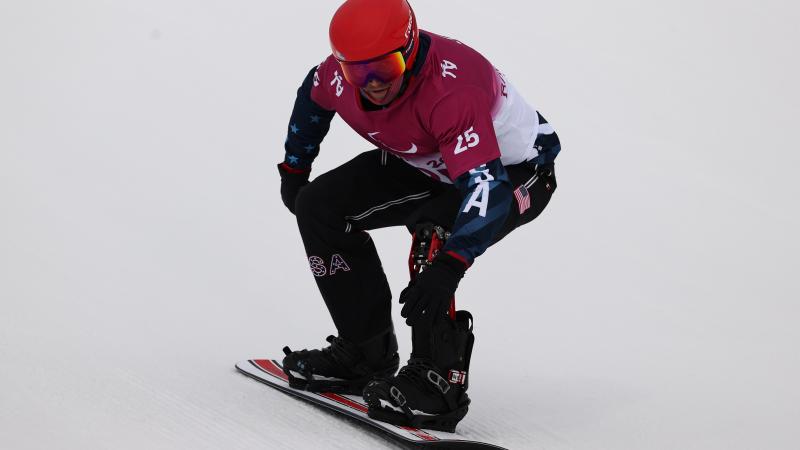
384,68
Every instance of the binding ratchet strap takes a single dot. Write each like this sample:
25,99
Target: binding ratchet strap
400,401
439,381
397,396
443,386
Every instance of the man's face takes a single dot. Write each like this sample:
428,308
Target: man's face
381,93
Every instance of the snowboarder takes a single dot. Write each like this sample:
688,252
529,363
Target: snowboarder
459,150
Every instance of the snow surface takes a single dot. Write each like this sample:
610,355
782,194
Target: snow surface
144,248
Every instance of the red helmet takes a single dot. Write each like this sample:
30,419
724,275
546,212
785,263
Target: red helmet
367,29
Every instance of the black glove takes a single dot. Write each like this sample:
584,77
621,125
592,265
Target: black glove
292,180
428,295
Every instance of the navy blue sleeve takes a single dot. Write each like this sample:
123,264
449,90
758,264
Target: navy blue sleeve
307,127
487,201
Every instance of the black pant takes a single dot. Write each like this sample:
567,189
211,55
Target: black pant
376,190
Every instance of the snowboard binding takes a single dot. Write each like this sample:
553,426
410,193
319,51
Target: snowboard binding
343,367
430,391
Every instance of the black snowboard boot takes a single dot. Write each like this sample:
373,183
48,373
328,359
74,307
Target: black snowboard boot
343,367
431,391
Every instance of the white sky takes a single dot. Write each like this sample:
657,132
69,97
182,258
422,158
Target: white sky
144,248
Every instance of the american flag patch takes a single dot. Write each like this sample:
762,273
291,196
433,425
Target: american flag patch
523,199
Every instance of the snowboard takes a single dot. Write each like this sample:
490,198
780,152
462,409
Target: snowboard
270,372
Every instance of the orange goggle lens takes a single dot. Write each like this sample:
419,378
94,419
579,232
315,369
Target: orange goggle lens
384,69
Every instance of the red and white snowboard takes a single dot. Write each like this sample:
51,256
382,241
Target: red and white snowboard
271,373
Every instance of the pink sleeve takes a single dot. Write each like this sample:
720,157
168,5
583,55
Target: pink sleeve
462,124
321,91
